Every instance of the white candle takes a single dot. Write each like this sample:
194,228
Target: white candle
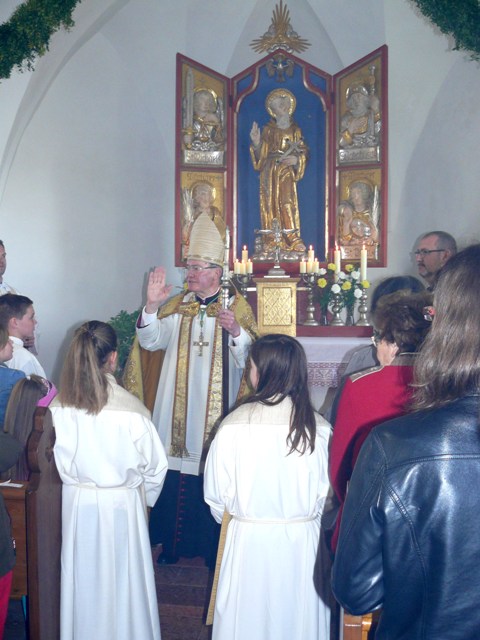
310,266
236,266
363,263
244,253
337,260
311,253
243,267
316,266
249,266
303,266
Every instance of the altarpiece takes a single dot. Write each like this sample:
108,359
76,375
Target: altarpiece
285,154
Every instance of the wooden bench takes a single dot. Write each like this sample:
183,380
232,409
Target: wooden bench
36,512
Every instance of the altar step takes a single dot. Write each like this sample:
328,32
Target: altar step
183,590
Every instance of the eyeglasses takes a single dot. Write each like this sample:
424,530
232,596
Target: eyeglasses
429,313
426,252
196,269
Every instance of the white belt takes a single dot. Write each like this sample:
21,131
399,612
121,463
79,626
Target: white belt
95,487
289,521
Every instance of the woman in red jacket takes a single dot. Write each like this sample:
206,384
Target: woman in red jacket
377,394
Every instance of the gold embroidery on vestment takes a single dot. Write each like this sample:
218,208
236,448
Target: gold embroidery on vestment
178,447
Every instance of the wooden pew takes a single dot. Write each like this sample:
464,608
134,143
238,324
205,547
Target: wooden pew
360,627
14,498
44,531
356,627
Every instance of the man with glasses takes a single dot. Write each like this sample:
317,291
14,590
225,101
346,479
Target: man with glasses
432,252
186,397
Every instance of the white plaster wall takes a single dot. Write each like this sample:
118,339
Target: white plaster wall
87,140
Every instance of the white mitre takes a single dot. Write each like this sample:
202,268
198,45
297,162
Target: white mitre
206,242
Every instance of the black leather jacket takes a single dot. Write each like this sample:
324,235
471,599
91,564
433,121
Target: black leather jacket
410,534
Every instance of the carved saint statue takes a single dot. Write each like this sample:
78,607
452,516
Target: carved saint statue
203,124
360,125
279,153
358,216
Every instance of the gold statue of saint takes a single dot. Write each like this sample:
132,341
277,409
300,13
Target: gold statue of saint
279,153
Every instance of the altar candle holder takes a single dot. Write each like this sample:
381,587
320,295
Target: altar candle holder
336,320
362,311
241,281
309,281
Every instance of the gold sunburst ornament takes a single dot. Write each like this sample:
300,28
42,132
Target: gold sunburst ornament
280,34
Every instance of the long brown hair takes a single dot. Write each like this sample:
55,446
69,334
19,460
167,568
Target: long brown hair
83,383
282,371
448,366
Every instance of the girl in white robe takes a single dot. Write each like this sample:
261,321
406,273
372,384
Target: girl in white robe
112,465
267,467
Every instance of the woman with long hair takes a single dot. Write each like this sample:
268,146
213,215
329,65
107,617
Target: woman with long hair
409,539
112,465
267,468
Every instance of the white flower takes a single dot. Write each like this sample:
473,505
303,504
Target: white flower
355,275
357,293
322,272
342,275
335,288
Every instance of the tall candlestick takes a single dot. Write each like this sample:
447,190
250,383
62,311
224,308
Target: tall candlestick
337,259
363,263
244,253
311,253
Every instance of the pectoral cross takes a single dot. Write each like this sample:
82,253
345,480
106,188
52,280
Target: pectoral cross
201,342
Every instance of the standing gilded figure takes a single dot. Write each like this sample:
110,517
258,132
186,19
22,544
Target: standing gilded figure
279,153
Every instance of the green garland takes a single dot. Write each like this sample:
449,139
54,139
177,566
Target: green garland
458,18
27,34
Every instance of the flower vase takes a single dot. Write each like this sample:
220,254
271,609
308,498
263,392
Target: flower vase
323,317
349,320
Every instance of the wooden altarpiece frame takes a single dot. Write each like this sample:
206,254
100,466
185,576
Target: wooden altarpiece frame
342,196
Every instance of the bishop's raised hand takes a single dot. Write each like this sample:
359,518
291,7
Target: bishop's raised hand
157,290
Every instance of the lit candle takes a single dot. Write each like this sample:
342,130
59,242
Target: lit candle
337,259
363,263
249,266
236,266
310,266
244,253
243,268
303,266
311,253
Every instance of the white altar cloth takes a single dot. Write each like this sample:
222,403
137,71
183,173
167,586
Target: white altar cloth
327,360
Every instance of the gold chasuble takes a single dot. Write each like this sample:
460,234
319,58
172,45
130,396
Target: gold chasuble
143,368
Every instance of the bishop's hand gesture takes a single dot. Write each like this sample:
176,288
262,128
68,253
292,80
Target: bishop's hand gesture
157,290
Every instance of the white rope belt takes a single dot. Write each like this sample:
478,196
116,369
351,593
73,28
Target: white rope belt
97,488
289,521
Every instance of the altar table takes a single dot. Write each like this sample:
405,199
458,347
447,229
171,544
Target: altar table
327,360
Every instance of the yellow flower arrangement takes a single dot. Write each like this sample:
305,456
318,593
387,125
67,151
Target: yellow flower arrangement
346,282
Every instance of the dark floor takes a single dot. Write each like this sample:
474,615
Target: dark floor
182,590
